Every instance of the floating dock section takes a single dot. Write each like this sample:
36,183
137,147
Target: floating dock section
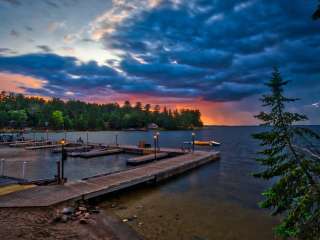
31,143
147,158
73,149
100,152
101,185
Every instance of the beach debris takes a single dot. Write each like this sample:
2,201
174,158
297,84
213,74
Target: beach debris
81,212
64,218
122,207
83,221
198,238
82,209
68,210
125,220
114,205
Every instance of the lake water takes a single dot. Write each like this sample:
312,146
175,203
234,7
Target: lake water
216,201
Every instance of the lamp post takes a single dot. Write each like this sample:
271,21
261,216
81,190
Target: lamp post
158,136
193,137
155,146
63,158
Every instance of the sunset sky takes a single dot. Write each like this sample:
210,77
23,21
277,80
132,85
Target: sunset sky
211,55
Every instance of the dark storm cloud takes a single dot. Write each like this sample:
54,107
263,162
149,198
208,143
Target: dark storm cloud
14,33
52,4
13,2
44,48
217,50
68,73
58,71
30,29
7,51
221,50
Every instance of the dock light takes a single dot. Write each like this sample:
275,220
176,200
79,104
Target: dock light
155,146
193,137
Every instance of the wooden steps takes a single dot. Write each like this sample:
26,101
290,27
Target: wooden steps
146,158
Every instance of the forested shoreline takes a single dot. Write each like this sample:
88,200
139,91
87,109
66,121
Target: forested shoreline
20,111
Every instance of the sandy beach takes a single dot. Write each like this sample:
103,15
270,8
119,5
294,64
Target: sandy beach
39,223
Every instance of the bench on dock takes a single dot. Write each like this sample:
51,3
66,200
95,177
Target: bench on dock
98,153
146,158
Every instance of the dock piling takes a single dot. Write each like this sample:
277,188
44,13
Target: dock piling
155,146
2,167
24,164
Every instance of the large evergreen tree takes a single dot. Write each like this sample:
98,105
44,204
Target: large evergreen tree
290,156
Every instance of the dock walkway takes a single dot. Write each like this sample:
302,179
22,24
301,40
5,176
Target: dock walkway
97,186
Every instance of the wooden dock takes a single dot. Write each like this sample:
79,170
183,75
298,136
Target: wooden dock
146,158
31,143
99,153
100,185
46,146
73,149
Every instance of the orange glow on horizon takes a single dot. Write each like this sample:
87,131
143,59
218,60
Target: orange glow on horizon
212,113
15,82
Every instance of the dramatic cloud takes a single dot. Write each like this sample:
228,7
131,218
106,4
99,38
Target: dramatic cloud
223,50
44,48
220,52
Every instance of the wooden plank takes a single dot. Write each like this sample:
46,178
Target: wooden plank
93,187
43,146
15,142
98,153
32,143
146,158
73,149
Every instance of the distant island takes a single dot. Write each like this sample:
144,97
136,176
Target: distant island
20,111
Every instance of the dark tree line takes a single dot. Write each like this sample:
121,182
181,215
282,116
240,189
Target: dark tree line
17,110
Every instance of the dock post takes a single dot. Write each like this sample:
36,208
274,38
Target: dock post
155,146
87,139
58,172
117,140
2,167
158,144
193,136
24,169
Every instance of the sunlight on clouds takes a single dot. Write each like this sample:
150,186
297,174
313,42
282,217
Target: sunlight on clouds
121,10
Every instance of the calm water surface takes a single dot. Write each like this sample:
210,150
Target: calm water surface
216,201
